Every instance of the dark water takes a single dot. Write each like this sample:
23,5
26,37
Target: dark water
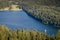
20,20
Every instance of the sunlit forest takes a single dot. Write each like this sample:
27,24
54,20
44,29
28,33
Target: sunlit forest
8,34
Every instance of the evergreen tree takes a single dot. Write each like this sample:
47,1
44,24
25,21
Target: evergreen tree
58,35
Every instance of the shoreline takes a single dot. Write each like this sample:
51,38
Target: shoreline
40,19
12,7
10,10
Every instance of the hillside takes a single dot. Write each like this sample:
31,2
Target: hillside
46,10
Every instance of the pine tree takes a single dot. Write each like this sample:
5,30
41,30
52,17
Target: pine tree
58,35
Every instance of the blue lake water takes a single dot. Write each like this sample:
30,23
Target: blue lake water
20,20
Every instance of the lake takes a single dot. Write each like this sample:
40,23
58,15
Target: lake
20,20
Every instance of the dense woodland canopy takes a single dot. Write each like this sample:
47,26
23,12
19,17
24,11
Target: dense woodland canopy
8,34
46,10
4,3
38,2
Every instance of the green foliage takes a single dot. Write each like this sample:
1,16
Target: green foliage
4,3
58,35
46,10
7,34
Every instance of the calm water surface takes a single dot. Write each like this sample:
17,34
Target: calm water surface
20,20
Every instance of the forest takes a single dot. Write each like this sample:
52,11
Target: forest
8,34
